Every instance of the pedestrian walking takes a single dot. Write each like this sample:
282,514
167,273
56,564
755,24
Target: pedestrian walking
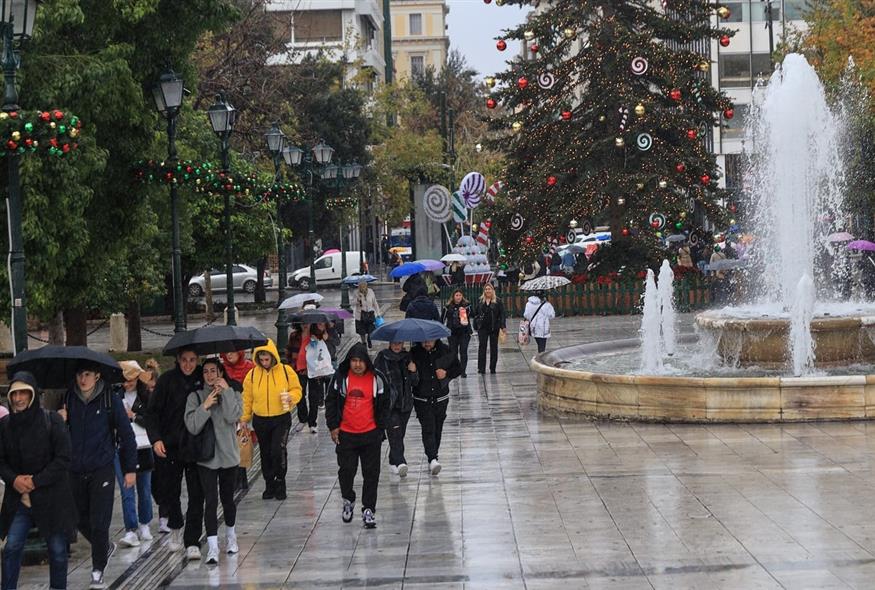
421,306
136,501
35,457
217,408
434,366
457,317
320,369
365,310
457,275
270,391
236,366
489,321
539,312
99,429
357,412
173,461
392,364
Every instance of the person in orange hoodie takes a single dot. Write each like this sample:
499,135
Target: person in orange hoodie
270,390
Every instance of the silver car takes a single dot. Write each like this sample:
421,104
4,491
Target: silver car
245,279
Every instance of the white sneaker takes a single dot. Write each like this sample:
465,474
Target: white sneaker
212,550
144,532
97,580
402,470
130,540
393,469
162,526
175,543
231,541
435,467
314,430
193,553
300,426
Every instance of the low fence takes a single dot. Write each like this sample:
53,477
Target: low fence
616,298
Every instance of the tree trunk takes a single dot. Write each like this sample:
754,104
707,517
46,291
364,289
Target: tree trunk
208,296
56,329
260,293
135,337
76,322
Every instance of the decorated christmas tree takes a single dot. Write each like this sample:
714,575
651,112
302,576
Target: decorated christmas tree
605,118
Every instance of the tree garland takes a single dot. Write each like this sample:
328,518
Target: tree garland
54,132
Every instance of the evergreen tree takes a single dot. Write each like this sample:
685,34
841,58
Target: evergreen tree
606,121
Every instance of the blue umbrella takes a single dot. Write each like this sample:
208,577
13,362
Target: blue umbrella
356,279
407,269
410,330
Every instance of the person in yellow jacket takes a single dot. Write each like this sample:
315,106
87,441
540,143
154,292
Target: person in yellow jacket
270,391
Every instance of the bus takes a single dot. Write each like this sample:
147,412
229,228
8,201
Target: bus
400,242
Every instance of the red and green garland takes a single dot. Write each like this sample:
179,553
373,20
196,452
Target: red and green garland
54,132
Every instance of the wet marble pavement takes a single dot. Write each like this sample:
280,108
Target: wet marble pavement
527,500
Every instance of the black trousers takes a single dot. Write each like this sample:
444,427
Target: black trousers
167,491
303,413
315,397
542,344
431,416
364,448
395,434
273,435
458,341
216,484
492,339
94,493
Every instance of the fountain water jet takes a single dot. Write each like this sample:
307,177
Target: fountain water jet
666,308
651,339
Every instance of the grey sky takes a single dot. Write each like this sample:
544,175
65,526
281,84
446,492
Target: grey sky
473,26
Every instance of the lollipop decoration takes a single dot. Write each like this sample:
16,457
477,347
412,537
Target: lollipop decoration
639,65
437,203
657,220
546,80
644,142
517,222
460,212
472,188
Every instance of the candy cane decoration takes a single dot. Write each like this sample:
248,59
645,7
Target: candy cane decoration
493,191
483,234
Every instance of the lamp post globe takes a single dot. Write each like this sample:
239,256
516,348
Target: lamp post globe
292,155
322,153
223,116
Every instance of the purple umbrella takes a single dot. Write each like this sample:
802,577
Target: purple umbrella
841,236
862,245
431,265
337,312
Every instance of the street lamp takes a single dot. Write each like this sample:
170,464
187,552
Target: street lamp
350,172
276,141
222,118
16,26
167,94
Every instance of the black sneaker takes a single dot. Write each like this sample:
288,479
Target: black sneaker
267,494
368,519
348,507
464,375
280,494
110,550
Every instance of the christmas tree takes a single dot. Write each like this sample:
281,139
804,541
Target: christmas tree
605,119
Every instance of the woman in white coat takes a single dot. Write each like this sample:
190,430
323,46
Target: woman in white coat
539,312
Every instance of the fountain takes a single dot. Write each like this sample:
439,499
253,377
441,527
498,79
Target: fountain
796,351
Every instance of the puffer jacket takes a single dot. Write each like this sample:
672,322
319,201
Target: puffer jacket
451,318
423,308
262,387
401,381
539,316
427,363
335,398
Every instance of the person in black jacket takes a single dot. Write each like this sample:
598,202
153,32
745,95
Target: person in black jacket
457,317
99,428
35,457
422,307
457,275
411,287
357,412
392,363
434,366
166,427
489,321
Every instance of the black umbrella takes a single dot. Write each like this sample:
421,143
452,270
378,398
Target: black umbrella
55,366
216,339
312,316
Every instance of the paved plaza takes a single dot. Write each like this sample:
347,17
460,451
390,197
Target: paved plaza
527,500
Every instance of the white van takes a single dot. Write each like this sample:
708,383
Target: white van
328,270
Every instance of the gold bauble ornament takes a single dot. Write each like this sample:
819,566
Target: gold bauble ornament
619,142
529,35
489,81
74,132
517,125
499,2
621,201
53,124
663,184
640,110
705,66
640,186
723,12
16,136
602,119
683,214
569,33
4,116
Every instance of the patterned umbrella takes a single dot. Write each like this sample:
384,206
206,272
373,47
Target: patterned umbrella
545,283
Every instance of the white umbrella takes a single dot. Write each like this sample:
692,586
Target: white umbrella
450,258
545,283
296,301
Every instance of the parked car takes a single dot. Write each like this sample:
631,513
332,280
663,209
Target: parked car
245,279
328,270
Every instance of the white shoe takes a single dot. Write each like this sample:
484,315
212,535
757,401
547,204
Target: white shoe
300,426
130,540
175,543
231,541
313,429
402,470
162,525
144,532
212,550
97,580
435,467
193,553
393,469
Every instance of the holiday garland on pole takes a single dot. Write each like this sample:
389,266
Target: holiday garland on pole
606,120
54,132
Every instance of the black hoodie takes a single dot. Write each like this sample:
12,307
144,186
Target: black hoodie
335,398
166,420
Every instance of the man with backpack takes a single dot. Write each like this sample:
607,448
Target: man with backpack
99,427
270,390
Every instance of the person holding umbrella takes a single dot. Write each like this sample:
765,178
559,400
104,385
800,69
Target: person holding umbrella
538,313
457,316
365,309
392,363
35,456
489,322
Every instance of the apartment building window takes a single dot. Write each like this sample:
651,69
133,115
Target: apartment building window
795,9
734,127
760,10
317,26
737,12
756,10
416,24
741,70
417,65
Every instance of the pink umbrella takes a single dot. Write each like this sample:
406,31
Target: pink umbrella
332,251
862,245
841,236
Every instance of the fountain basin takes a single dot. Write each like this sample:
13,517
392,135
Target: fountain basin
762,342
695,399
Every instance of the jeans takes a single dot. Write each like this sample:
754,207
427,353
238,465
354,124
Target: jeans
492,338
542,344
22,522
395,434
431,416
167,491
218,484
273,436
459,340
135,500
364,447
94,493
315,397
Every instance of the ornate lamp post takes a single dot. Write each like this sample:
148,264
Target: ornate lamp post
222,118
276,141
351,172
16,26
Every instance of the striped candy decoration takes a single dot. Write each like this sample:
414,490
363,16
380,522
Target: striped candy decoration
493,191
472,188
483,234
460,212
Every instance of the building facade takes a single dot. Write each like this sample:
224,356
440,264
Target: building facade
419,36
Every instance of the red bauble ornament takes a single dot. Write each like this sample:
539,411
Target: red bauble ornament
535,47
28,142
728,113
654,224
13,115
680,168
58,115
625,232
692,134
675,94
551,181
490,103
706,180
11,145
529,239
66,148
724,41
566,115
732,207
501,45
45,116
487,1
522,83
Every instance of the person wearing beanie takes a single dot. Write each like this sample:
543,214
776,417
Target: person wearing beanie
35,457
357,413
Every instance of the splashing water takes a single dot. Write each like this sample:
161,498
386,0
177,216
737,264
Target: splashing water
666,307
801,342
651,325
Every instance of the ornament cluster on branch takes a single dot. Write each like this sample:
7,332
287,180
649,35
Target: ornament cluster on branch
54,132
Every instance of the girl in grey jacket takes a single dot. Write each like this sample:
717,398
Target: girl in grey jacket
219,407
